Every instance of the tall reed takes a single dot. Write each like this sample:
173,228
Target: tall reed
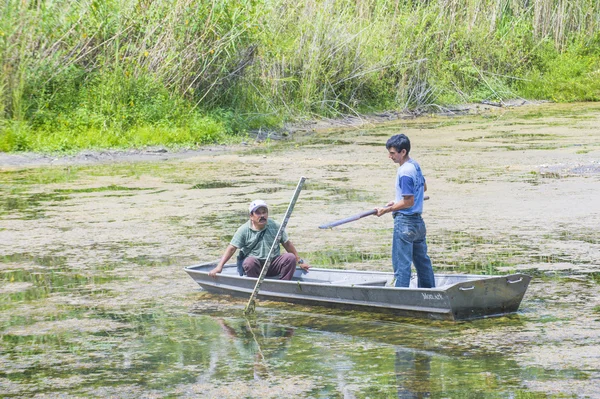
121,73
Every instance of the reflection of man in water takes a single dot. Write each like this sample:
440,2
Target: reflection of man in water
413,374
261,342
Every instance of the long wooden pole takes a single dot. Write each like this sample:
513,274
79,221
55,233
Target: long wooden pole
250,307
353,218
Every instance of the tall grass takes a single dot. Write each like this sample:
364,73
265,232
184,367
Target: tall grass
114,73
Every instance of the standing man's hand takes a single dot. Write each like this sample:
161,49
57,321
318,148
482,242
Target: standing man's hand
386,209
406,202
381,211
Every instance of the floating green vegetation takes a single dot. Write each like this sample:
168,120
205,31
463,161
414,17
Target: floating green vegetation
321,141
537,178
459,251
455,240
41,175
317,185
376,144
28,204
517,141
578,276
470,253
336,194
228,220
555,258
269,190
579,113
550,175
267,147
467,180
152,261
135,170
590,237
213,184
488,265
46,260
31,204
562,275
334,257
111,187
383,134
336,168
548,319
45,275
531,147
73,173
594,276
513,137
48,281
342,179
433,124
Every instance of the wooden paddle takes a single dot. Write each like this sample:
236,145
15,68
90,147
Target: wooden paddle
250,307
353,218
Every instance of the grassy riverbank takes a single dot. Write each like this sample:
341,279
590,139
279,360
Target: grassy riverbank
100,74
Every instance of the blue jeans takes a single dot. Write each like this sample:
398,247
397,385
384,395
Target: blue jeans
409,246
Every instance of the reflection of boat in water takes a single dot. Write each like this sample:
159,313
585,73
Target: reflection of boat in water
413,373
345,354
254,339
456,296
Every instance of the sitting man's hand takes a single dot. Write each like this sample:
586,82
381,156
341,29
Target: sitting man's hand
213,272
304,266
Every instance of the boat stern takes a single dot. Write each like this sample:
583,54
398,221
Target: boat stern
494,296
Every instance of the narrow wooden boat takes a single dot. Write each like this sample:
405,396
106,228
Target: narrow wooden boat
456,296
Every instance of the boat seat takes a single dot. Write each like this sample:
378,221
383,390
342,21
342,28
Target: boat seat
379,283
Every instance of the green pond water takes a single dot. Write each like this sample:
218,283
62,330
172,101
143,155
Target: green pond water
94,301
210,349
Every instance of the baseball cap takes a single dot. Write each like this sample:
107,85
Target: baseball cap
254,205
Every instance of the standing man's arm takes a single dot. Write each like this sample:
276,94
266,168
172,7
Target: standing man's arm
405,202
229,251
289,247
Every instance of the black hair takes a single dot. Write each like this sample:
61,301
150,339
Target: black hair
399,142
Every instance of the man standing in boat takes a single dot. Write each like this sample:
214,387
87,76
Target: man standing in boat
254,239
409,243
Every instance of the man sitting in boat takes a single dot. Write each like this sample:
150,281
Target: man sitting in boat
254,240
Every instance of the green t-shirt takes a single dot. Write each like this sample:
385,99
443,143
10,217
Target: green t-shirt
245,236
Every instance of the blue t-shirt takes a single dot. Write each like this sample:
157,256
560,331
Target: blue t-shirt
410,182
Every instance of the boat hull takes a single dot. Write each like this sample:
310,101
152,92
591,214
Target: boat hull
456,297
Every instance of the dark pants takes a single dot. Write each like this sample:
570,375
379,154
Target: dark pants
282,265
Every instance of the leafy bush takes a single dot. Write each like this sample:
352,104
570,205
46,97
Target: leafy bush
573,75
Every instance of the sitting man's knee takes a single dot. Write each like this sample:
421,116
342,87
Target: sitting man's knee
288,257
251,266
